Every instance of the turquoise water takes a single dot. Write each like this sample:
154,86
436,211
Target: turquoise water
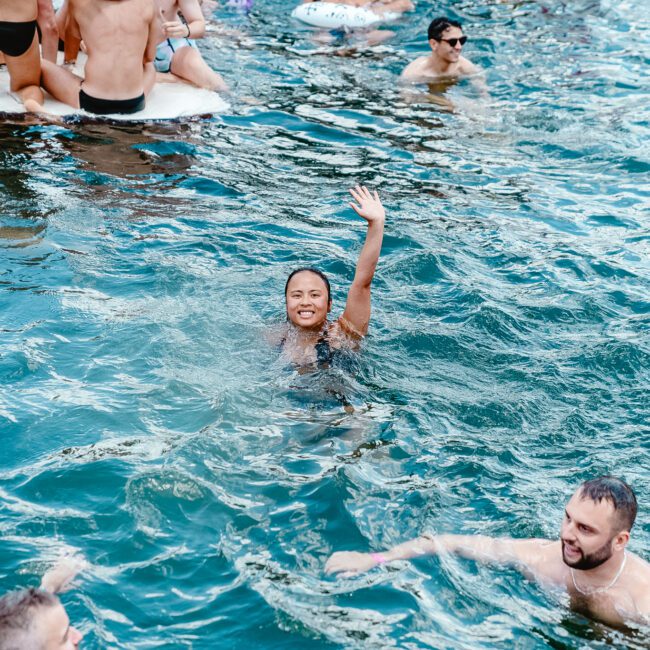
147,424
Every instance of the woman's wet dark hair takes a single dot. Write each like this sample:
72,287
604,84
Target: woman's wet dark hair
438,26
311,269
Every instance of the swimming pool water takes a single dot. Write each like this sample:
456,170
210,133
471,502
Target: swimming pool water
147,424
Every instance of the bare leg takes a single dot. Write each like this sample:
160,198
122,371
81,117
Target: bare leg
49,30
167,78
61,84
189,64
25,75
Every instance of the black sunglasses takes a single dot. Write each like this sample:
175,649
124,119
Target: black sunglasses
452,41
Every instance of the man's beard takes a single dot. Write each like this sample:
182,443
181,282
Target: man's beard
591,561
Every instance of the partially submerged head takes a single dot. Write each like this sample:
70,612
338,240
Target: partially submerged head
308,298
446,38
597,522
35,619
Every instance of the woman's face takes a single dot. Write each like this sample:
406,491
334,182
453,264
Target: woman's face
307,303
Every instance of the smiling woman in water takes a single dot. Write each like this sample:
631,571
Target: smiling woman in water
309,336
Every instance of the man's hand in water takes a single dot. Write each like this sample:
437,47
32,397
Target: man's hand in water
369,206
349,563
59,577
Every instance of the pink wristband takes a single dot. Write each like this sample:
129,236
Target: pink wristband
378,558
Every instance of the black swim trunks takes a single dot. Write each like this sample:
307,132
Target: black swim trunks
16,38
110,106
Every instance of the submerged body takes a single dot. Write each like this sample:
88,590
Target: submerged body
445,61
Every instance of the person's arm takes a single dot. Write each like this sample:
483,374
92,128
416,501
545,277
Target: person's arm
194,26
59,577
476,547
72,36
477,77
356,316
407,73
152,39
478,81
49,30
61,18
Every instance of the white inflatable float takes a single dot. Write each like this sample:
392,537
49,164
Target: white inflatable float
330,15
167,101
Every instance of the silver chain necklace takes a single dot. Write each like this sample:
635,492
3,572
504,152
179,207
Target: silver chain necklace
599,590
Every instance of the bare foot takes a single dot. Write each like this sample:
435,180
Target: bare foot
32,106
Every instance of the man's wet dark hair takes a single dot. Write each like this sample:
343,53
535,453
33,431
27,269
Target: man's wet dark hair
618,493
311,269
17,612
438,26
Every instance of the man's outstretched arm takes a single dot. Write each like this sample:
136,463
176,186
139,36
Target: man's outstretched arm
501,550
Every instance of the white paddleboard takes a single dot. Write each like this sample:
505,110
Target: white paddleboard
166,101
330,15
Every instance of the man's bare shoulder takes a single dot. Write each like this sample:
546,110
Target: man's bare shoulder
416,69
640,588
466,67
536,548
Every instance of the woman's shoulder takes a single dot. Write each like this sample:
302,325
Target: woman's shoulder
342,334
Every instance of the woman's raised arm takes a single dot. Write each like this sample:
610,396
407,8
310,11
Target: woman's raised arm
356,316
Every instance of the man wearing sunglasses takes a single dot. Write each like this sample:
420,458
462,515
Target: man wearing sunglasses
446,40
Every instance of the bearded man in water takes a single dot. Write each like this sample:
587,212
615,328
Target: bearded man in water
590,560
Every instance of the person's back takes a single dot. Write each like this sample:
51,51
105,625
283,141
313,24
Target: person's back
116,34
120,40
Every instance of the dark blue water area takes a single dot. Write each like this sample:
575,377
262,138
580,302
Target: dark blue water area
148,424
